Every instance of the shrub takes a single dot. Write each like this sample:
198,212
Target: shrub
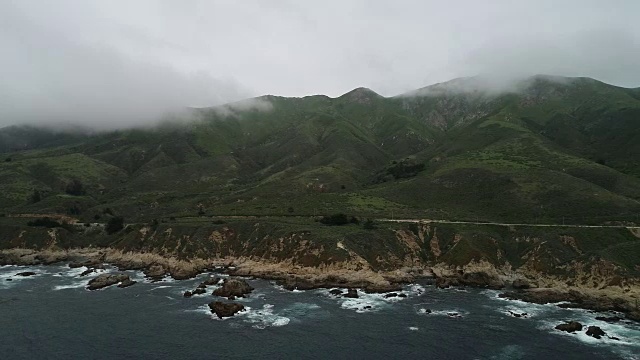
35,196
290,209
44,222
114,225
369,224
335,219
75,187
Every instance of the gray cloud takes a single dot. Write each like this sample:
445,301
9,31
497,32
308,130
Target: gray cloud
114,63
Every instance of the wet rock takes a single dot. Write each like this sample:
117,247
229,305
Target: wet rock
25,273
351,293
9,279
540,296
202,286
222,309
390,295
426,311
49,259
595,332
336,292
446,282
571,326
87,272
454,315
211,281
520,284
187,294
87,263
198,291
614,338
233,287
126,283
105,280
402,295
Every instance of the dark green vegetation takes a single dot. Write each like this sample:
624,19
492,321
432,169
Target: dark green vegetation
556,150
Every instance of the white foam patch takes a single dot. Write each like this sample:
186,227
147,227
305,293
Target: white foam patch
74,285
160,287
452,313
265,317
413,328
416,289
365,303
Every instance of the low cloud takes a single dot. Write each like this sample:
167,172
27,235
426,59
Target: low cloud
52,80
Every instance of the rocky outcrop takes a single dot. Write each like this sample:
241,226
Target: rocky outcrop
155,272
571,326
478,279
232,288
105,280
521,284
223,310
595,332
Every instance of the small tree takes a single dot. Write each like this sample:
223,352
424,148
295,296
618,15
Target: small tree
290,209
35,196
114,225
335,219
369,224
75,187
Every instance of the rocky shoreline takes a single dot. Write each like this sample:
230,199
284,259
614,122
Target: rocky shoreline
157,267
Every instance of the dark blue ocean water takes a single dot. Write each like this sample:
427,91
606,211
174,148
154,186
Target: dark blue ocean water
52,316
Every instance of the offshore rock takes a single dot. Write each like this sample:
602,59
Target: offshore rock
351,293
570,327
233,287
595,332
105,280
225,309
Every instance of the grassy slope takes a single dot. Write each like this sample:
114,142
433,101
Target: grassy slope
556,151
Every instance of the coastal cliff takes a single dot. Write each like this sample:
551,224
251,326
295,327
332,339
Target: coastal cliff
301,253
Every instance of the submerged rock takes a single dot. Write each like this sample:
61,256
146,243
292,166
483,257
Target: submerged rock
25,273
571,326
233,287
595,332
222,309
105,280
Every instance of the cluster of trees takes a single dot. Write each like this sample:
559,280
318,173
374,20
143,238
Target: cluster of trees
342,219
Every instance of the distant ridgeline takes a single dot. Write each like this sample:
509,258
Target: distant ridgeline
549,150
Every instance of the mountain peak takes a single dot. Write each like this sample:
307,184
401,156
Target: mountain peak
361,95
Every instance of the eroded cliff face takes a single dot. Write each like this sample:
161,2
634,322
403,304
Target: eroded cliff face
555,258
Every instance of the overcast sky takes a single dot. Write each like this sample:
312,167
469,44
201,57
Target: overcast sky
113,63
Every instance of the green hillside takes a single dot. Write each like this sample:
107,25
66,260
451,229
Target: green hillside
547,151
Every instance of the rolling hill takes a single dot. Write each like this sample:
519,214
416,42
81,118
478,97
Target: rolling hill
546,150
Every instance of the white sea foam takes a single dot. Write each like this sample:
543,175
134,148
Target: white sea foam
160,287
265,317
413,328
74,285
452,313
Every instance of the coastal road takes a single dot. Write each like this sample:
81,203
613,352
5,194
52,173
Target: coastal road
432,221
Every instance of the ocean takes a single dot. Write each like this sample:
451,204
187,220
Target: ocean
52,316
